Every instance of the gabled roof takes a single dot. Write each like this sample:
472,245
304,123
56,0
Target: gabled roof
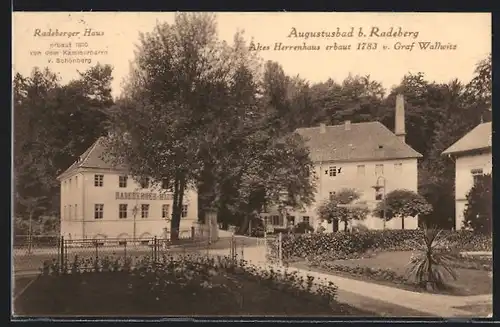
362,141
91,158
478,138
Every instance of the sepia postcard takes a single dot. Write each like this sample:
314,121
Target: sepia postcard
244,164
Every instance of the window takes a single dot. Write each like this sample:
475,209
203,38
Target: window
379,194
275,220
332,193
122,211
98,180
76,181
476,173
64,215
361,170
398,167
69,212
122,181
144,210
184,211
379,169
291,220
76,211
164,211
145,182
305,219
70,183
333,171
98,211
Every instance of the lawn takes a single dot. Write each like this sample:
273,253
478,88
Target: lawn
469,281
178,289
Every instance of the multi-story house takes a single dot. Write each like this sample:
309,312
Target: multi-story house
367,157
102,201
473,157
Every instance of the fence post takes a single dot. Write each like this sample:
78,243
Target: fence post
62,253
231,247
125,249
192,232
242,248
155,251
280,249
96,249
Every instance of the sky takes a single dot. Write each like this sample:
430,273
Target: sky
467,37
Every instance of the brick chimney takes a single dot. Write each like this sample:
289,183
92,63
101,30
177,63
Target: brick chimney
347,125
399,126
322,128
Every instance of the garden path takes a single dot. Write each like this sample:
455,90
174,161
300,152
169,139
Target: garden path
432,304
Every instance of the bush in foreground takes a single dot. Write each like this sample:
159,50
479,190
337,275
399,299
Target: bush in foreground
183,285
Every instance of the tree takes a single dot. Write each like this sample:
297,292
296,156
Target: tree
357,98
44,113
185,93
431,265
337,207
34,98
32,204
478,212
402,204
270,172
437,172
479,89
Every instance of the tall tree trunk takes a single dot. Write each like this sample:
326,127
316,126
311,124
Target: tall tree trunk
402,223
179,186
244,225
345,226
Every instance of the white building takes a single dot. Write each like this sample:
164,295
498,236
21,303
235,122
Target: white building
363,156
102,201
473,157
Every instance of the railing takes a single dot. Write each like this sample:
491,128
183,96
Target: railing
30,255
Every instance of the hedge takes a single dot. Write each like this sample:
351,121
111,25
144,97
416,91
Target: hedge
341,245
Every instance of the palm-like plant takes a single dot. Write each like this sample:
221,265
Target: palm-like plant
431,265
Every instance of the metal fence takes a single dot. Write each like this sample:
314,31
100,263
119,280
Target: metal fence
30,254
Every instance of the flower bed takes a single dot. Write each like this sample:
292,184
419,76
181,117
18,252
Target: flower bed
391,269
470,282
182,285
378,274
345,245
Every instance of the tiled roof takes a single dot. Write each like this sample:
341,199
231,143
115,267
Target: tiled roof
477,138
92,158
362,141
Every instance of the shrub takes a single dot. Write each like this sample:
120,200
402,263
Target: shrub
478,213
303,227
342,245
148,278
